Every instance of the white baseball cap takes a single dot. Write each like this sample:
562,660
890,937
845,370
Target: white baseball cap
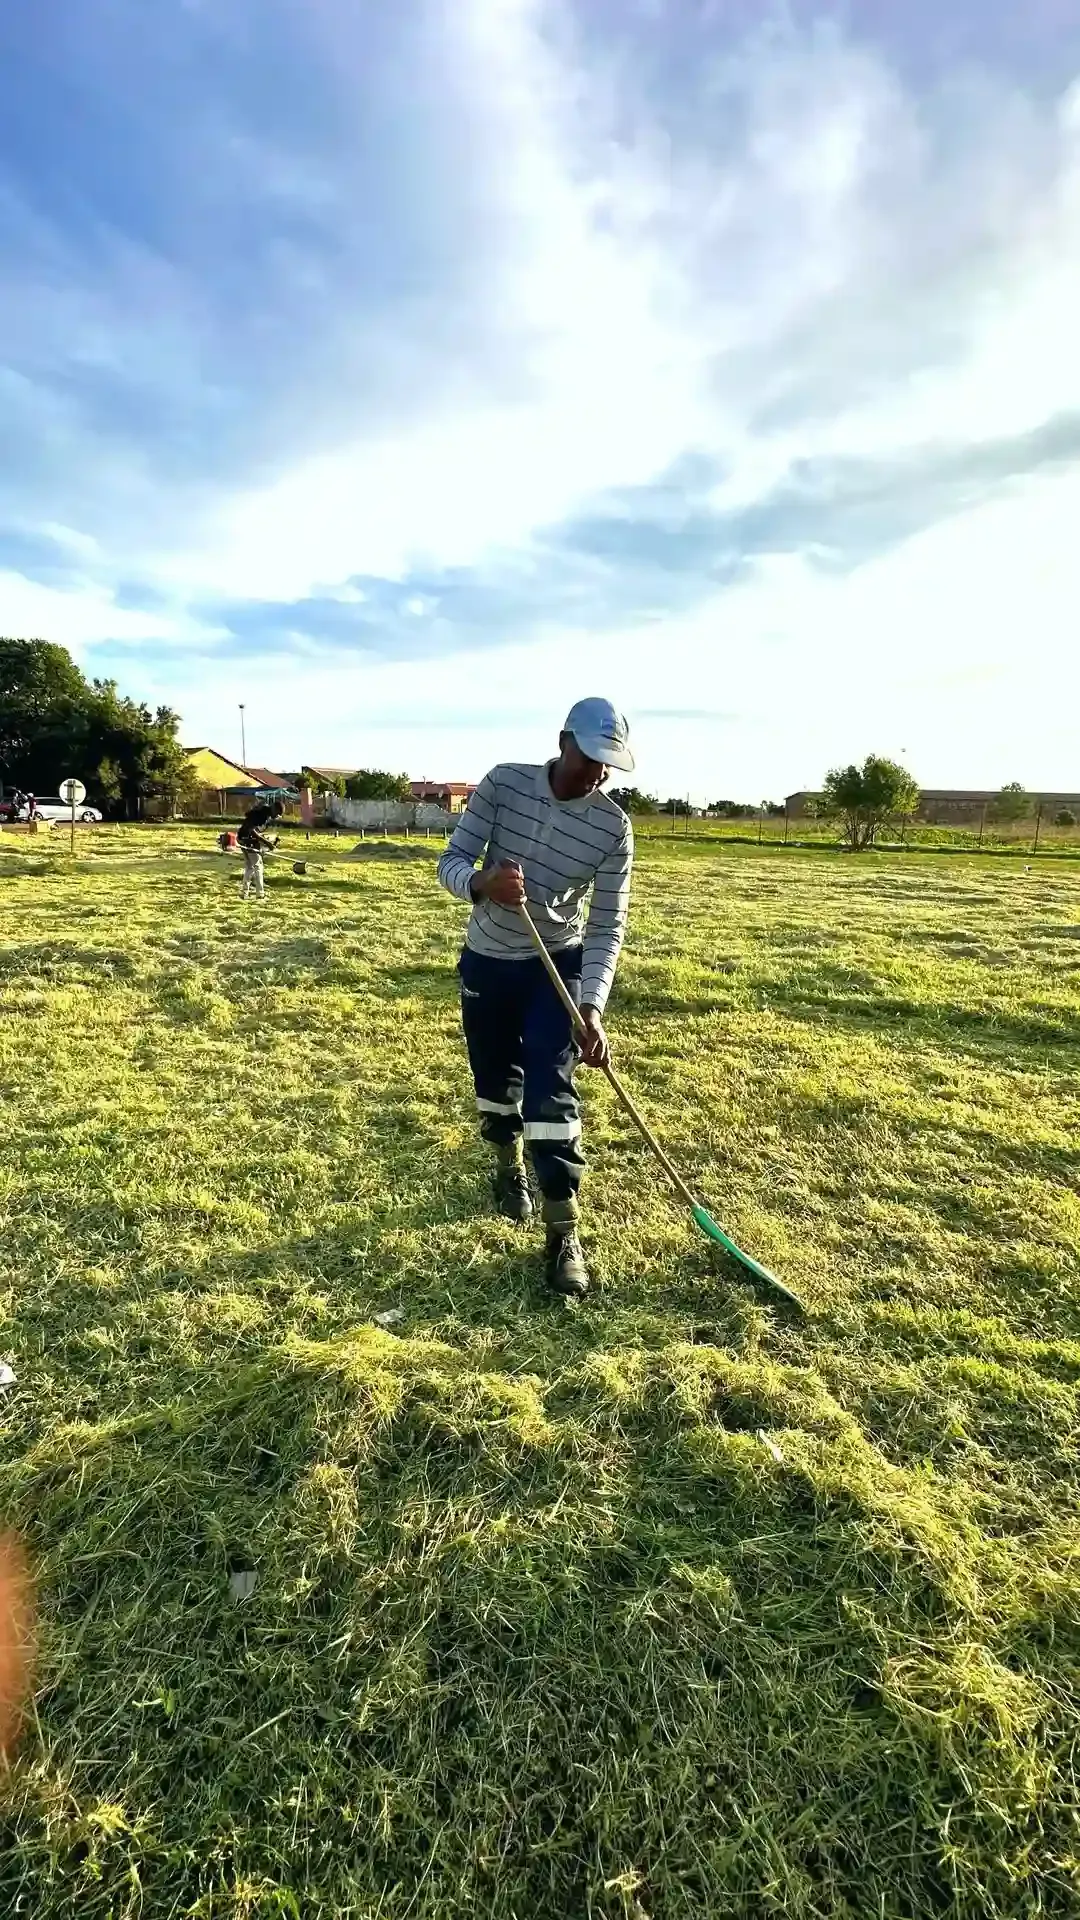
602,733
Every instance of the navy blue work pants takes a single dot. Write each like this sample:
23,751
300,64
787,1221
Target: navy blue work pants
523,1051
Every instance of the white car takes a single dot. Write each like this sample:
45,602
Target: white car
56,809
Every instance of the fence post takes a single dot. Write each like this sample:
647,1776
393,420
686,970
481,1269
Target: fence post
982,824
785,823
1038,824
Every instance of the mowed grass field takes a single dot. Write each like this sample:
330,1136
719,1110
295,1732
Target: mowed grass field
671,1605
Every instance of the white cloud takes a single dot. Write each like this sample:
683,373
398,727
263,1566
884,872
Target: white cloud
82,546
84,615
606,378
813,668
794,259
346,595
850,263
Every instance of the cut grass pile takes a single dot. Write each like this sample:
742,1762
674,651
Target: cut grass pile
670,1606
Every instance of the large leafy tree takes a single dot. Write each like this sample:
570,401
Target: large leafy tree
43,714
54,722
138,750
866,797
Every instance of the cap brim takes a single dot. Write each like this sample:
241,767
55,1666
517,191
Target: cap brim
620,758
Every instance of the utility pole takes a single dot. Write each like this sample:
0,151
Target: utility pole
243,739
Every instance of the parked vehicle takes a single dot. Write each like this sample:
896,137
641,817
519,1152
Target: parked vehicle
53,808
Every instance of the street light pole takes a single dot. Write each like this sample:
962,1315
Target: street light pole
243,739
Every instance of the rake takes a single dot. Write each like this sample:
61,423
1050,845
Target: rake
702,1218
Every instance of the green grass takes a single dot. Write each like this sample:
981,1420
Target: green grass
673,1605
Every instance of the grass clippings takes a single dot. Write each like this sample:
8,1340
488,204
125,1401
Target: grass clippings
671,1606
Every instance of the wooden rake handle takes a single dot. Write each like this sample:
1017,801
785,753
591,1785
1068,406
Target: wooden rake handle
581,1028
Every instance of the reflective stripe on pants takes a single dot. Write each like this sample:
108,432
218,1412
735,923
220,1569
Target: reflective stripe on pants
522,1051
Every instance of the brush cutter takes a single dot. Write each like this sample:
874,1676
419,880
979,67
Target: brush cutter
702,1218
273,853
310,866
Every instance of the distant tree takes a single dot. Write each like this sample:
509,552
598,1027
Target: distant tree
43,714
675,806
865,797
133,754
632,800
370,784
1011,804
1065,817
178,784
774,808
731,809
107,785
53,722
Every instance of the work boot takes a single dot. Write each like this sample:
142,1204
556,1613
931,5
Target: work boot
564,1263
512,1196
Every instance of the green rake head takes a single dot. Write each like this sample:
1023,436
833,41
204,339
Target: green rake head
709,1227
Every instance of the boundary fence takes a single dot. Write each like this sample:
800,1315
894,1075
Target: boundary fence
1038,834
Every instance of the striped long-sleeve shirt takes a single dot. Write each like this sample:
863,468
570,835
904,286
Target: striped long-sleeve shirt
563,847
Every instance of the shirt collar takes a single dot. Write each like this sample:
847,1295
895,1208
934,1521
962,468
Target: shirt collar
546,791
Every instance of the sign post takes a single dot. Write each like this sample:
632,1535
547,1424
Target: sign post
71,793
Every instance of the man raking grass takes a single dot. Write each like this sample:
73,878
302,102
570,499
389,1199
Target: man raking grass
547,835
702,1218
535,979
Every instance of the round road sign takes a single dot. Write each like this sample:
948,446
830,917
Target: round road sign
71,792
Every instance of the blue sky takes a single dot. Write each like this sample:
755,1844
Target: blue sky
407,371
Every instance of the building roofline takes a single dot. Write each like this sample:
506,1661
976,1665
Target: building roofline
219,756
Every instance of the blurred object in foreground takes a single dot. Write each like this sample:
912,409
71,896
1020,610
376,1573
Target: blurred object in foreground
16,1640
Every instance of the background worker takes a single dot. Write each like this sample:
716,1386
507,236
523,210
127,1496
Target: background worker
547,835
254,842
